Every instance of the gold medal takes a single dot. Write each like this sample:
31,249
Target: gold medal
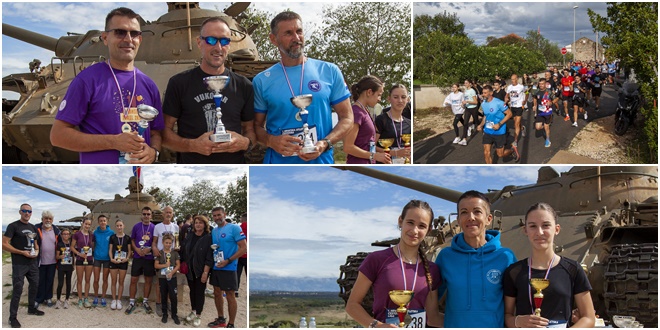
126,128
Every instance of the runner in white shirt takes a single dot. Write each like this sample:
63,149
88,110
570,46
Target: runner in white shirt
455,100
515,96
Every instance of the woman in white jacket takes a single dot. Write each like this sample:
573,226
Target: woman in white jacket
455,100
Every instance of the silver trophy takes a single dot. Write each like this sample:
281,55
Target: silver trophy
146,113
216,84
217,254
31,237
301,102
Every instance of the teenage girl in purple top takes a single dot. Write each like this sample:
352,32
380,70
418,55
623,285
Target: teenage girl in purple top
401,267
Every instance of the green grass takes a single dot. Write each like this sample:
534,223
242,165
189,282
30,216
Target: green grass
272,310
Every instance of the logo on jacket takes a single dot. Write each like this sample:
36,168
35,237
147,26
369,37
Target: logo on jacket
314,86
494,276
223,235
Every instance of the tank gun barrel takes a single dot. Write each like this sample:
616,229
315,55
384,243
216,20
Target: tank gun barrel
439,192
89,204
30,37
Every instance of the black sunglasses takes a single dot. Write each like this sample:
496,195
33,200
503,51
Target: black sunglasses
121,33
213,41
146,213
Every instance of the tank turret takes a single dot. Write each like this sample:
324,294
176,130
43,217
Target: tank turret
168,47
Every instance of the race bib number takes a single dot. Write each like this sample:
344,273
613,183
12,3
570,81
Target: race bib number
416,319
89,252
120,255
299,133
166,270
490,124
597,85
567,89
67,260
542,108
576,90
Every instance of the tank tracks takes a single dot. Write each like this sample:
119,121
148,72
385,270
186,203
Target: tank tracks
631,282
347,277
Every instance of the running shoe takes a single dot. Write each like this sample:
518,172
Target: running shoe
147,308
470,129
585,115
86,303
113,304
58,304
198,321
567,118
66,304
103,302
515,154
219,322
95,302
80,303
190,316
130,309
35,311
575,124
457,139
119,306
547,143
230,325
463,142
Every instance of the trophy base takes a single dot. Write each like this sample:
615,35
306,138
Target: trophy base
128,157
223,137
309,150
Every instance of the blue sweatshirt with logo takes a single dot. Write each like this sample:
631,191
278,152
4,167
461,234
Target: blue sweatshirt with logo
472,280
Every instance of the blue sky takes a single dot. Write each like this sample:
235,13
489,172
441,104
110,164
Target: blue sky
555,19
55,19
95,182
304,221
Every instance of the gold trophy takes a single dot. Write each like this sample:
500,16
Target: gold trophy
85,249
538,284
170,268
401,298
386,143
176,241
406,144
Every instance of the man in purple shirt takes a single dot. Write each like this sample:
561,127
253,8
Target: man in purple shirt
103,101
142,238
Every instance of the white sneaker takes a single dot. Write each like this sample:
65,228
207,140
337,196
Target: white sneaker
119,306
469,133
463,142
58,304
190,316
585,115
113,304
457,139
575,124
197,321
65,305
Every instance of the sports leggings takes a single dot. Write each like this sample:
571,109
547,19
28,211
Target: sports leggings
459,119
60,282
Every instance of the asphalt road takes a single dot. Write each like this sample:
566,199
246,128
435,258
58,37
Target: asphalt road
440,149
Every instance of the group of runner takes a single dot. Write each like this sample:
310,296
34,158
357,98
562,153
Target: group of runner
578,86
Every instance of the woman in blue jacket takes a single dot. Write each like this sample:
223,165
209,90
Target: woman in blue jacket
471,270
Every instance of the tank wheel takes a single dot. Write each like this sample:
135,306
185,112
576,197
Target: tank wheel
631,282
347,277
621,125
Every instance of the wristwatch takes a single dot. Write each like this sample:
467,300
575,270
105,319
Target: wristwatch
330,146
373,323
157,154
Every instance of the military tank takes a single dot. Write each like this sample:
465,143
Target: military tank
168,47
609,221
127,208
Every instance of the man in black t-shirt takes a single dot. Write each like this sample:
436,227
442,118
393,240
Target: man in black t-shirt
189,104
498,91
19,240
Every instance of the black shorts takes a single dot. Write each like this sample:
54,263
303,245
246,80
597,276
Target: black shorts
79,262
122,266
579,102
224,279
102,263
144,267
596,91
499,140
517,111
566,98
543,119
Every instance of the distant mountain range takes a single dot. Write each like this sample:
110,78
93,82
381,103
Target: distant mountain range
264,282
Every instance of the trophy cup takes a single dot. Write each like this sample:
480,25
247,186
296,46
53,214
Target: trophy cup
216,84
538,284
176,241
217,254
118,253
401,298
406,144
146,113
31,237
85,250
623,321
169,269
386,143
301,102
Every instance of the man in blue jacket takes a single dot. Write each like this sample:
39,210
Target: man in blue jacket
471,270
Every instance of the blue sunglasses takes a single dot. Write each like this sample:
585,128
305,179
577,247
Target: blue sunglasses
213,41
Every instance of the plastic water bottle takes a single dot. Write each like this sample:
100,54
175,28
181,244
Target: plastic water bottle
312,322
303,323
